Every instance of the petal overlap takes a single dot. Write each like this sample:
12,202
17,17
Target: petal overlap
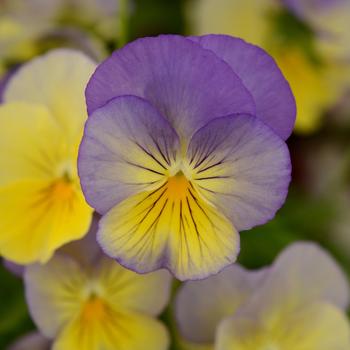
201,305
98,305
274,100
136,153
186,83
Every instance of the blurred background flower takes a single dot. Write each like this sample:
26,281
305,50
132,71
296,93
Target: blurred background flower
297,303
88,301
41,120
31,27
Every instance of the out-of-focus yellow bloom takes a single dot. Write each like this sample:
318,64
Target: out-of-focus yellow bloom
315,81
247,19
29,27
297,304
99,305
21,24
99,16
311,87
15,41
41,123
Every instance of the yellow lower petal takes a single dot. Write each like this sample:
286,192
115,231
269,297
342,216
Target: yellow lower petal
318,326
170,227
127,290
37,217
115,331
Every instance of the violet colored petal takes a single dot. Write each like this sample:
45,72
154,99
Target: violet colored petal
202,305
189,85
126,149
16,269
242,167
85,251
303,273
31,341
275,104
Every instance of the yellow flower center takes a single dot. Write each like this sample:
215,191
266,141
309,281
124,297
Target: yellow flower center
62,190
94,309
177,186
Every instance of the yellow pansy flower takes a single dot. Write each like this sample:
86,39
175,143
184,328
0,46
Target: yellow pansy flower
298,303
97,304
41,123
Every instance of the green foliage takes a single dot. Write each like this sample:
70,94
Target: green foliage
14,317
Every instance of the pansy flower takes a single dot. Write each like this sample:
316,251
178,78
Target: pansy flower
88,301
298,303
41,122
184,147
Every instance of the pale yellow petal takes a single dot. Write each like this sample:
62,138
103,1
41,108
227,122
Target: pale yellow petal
302,273
55,293
56,80
118,331
127,290
317,326
31,142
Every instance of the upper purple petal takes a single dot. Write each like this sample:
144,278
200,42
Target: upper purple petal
188,84
275,104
